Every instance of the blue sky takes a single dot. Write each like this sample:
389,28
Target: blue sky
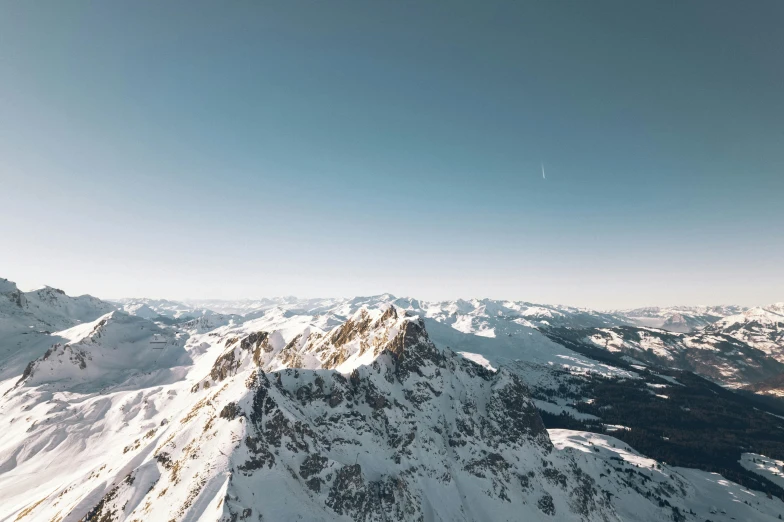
342,148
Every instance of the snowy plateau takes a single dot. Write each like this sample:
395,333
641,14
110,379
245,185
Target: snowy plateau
383,408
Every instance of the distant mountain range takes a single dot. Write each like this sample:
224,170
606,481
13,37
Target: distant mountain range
732,345
385,408
681,319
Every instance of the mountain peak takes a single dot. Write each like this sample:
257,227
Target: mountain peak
7,287
106,351
369,446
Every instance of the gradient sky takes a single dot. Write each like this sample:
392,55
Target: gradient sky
243,149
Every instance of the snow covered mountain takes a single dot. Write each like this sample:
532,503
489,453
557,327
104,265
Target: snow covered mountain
371,408
476,312
107,351
737,350
30,322
256,306
718,355
46,308
683,319
760,327
163,308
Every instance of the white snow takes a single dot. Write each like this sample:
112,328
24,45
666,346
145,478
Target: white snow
767,467
478,359
614,466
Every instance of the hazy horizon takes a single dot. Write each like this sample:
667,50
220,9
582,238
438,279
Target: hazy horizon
350,148
189,299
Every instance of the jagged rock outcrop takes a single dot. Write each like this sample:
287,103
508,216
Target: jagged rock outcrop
391,441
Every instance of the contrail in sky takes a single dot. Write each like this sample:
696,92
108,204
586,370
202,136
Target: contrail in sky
543,176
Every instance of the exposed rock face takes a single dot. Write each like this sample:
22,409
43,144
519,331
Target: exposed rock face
360,339
351,329
377,445
257,342
240,353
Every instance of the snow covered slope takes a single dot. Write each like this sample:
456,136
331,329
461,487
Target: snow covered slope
46,309
30,322
105,352
760,327
717,355
771,469
736,350
690,494
58,310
